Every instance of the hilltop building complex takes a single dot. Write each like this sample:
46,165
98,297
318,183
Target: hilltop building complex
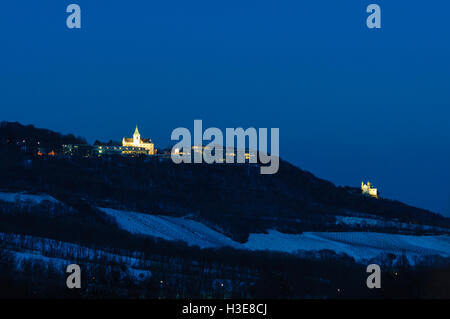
130,147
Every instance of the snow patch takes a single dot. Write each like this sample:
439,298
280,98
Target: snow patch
23,197
170,228
360,245
383,223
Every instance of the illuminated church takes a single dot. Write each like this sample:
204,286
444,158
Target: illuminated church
368,189
137,141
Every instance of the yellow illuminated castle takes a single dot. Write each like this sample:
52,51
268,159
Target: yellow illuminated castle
137,141
368,189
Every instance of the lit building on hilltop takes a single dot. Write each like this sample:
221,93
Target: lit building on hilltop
212,151
135,146
368,189
137,141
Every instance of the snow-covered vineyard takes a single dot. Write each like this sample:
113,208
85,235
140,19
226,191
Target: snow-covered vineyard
60,254
359,245
362,246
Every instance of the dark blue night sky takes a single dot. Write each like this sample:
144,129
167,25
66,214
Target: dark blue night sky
351,103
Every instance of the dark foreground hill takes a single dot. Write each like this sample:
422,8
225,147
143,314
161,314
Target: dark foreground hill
234,199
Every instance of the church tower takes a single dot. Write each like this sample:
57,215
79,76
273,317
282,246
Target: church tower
136,137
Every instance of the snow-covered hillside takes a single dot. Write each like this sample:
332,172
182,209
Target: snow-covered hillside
23,197
360,245
60,254
378,222
170,228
